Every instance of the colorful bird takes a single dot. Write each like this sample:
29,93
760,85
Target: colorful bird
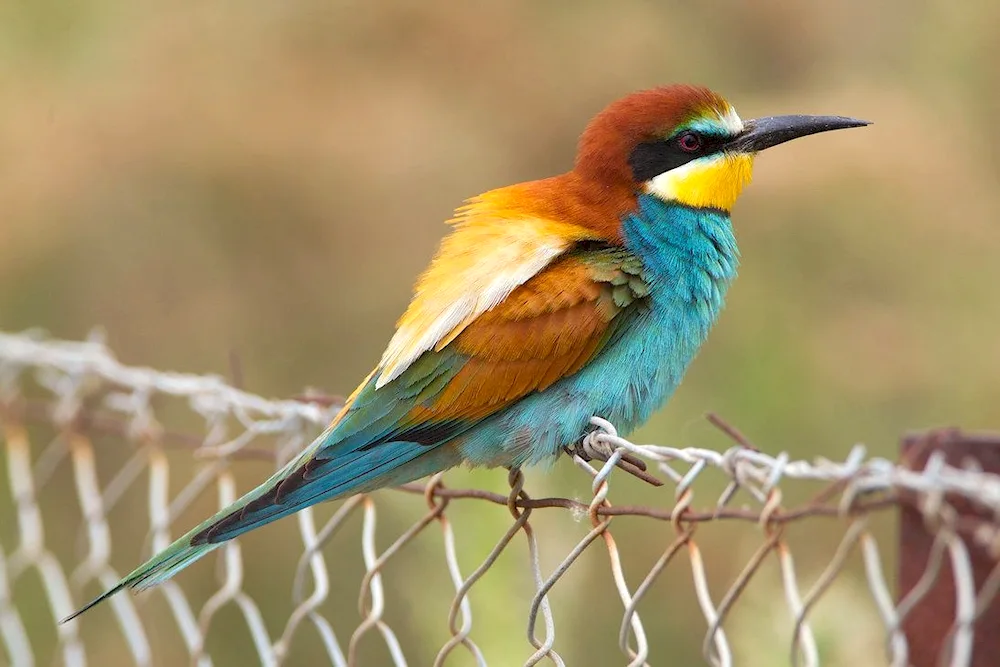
551,301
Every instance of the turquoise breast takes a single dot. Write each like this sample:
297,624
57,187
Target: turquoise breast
689,258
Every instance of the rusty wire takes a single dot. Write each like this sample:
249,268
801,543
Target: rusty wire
86,393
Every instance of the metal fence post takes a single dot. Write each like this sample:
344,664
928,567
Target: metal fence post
927,627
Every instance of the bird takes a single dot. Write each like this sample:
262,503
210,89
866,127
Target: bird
550,302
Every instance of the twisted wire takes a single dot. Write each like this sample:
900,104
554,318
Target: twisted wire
86,392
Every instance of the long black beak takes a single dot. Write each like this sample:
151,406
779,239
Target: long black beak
762,133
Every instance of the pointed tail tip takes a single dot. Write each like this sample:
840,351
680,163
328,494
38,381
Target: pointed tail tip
93,603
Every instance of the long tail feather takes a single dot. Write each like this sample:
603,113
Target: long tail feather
156,570
182,552
303,482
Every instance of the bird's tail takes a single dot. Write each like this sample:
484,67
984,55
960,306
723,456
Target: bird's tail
188,548
156,570
287,491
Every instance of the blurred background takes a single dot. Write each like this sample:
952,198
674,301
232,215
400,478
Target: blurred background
268,178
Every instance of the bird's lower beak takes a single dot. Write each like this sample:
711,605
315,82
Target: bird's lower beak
762,133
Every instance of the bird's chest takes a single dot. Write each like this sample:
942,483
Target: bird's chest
689,258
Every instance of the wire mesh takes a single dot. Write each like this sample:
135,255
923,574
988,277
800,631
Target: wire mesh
95,403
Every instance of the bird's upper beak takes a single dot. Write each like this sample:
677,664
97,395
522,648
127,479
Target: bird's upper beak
761,133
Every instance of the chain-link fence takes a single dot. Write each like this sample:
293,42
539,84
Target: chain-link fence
90,443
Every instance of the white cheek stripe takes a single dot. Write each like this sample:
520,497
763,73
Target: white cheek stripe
731,121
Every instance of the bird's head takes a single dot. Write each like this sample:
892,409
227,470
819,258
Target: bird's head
685,144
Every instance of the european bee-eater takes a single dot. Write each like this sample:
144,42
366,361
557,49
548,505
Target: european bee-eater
551,301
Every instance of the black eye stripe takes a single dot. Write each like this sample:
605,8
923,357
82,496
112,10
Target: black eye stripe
652,158
710,143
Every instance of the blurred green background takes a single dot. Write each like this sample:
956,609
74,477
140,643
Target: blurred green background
269,177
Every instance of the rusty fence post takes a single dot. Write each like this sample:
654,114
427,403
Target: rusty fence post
927,627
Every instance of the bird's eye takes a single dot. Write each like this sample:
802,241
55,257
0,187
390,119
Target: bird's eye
689,142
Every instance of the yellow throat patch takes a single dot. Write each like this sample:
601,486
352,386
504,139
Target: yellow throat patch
710,182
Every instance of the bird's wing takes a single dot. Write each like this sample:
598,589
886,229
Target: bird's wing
491,252
511,304
545,328
549,327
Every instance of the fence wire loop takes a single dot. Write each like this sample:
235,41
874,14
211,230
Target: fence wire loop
70,392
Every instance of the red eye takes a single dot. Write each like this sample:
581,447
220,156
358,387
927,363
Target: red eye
689,142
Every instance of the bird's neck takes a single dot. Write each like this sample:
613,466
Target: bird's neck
689,254
689,257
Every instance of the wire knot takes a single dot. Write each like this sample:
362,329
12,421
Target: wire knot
599,445
595,445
